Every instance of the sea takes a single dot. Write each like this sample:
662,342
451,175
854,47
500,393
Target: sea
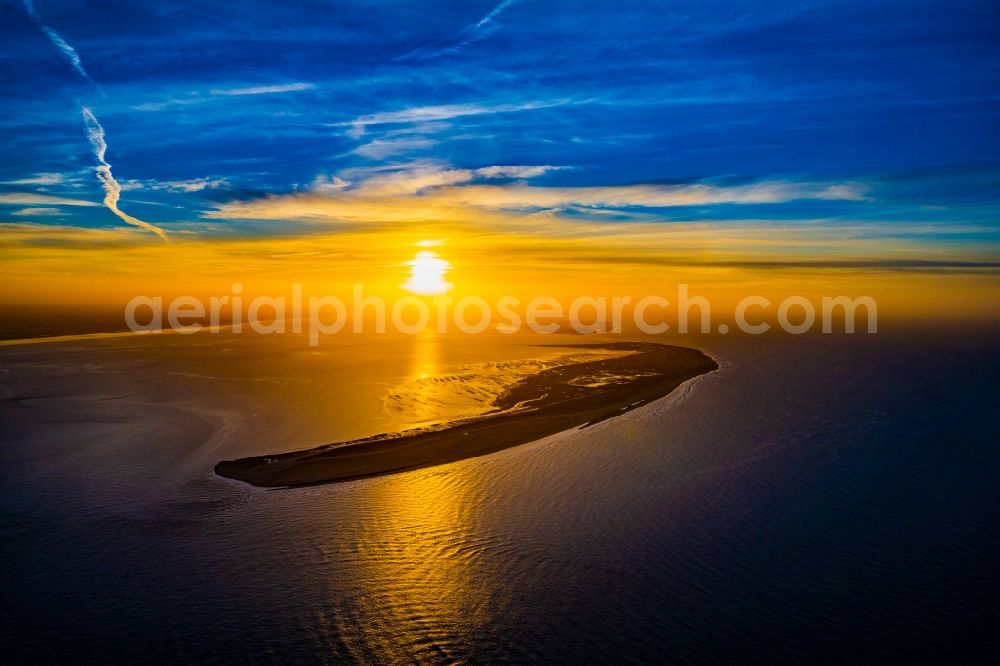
818,499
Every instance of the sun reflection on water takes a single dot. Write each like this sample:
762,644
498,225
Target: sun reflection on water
422,553
420,548
425,366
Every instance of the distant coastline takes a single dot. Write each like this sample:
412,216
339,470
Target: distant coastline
546,403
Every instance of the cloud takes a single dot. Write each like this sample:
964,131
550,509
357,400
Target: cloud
192,185
112,190
470,34
421,177
263,90
456,185
519,196
421,114
47,236
165,104
382,148
329,184
95,132
38,179
516,171
494,13
30,212
433,192
68,51
413,181
197,98
30,198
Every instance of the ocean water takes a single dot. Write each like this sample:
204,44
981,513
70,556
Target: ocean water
815,500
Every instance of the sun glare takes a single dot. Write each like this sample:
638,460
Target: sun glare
427,274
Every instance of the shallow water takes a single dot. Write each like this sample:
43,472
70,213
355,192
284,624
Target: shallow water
814,500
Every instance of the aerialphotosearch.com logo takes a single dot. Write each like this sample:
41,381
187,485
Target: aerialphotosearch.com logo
653,315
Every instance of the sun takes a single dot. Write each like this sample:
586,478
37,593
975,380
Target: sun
427,274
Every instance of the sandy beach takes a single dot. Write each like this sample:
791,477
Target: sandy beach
542,404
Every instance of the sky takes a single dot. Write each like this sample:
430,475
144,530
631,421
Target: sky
183,145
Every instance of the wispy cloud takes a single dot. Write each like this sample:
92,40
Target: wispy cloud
32,212
95,132
519,196
329,184
68,51
517,171
382,148
169,103
112,190
38,179
457,186
47,236
31,198
422,114
191,185
470,34
421,177
434,192
411,181
196,98
263,90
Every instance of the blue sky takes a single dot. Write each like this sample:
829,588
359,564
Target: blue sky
878,112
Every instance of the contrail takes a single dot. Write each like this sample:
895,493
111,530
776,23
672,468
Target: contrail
95,132
467,36
112,190
60,43
494,13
